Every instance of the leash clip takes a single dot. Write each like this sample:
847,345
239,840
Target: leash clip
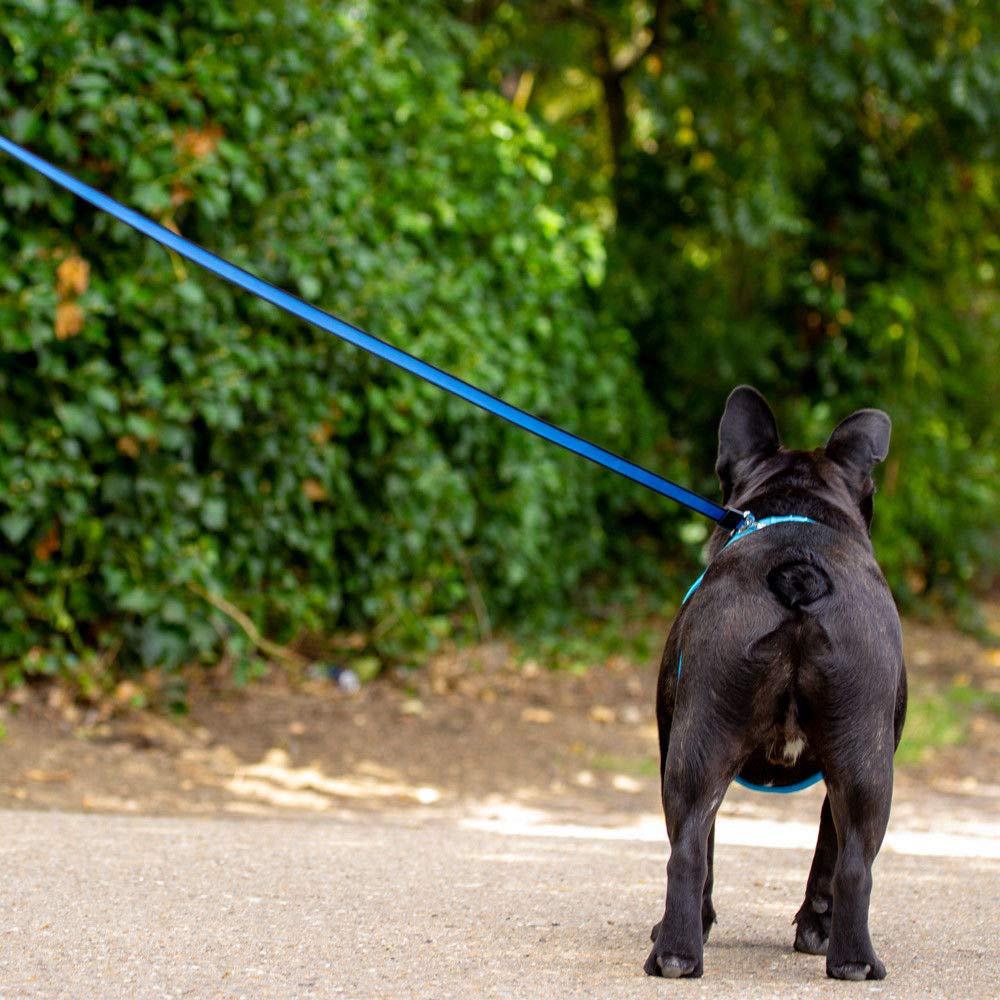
737,520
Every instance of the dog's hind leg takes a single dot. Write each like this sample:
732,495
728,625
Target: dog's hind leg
812,930
708,916
860,791
695,780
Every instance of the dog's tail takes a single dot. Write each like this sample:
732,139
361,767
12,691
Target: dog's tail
799,580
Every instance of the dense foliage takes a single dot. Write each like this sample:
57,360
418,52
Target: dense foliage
806,199
162,437
608,212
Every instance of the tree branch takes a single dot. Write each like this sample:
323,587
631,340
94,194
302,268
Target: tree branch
644,46
274,650
611,67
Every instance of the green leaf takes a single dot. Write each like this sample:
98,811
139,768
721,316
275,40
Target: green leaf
16,526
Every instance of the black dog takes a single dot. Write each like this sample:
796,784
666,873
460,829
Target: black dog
791,663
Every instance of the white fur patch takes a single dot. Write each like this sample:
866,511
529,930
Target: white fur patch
793,748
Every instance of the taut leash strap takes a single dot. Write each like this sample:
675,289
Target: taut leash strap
727,518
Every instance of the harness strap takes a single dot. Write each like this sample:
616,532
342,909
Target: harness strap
748,526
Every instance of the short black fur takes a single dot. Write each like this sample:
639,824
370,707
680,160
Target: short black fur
793,663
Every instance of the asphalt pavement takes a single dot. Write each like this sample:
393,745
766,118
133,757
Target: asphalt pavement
484,903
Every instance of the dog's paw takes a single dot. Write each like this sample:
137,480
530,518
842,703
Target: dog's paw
871,968
708,918
672,966
812,930
810,940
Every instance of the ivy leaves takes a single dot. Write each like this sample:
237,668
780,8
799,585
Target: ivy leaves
163,435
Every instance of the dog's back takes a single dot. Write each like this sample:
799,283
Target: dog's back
789,625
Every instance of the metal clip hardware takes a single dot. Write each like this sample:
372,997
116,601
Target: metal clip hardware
736,520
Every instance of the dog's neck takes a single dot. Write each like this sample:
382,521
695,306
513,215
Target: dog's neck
774,503
807,483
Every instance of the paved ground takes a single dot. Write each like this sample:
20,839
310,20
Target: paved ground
493,902
483,827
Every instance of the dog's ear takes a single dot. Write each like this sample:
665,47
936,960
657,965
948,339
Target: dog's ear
857,445
748,432
860,442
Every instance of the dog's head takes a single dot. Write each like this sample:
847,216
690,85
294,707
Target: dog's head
757,473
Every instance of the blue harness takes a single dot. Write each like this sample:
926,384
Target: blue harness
764,522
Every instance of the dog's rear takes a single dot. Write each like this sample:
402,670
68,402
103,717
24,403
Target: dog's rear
792,654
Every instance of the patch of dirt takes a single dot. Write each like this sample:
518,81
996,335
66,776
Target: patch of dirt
939,660
471,724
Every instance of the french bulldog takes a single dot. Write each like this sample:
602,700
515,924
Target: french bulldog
786,660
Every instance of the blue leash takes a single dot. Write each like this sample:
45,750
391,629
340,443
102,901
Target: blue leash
752,526
726,517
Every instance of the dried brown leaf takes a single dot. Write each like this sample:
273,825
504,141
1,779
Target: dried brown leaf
72,277
69,320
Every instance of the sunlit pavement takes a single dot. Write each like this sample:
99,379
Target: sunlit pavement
494,901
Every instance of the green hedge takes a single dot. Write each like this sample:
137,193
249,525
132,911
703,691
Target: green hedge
803,197
162,435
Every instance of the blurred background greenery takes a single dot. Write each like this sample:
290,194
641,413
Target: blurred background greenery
607,212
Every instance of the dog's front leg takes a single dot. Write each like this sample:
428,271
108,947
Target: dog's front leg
707,908
692,791
812,932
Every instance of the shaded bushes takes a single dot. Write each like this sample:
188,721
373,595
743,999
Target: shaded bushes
162,436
